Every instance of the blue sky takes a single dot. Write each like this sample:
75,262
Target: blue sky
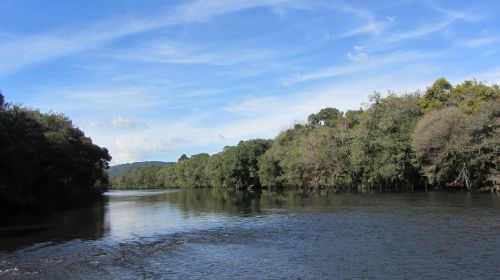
151,80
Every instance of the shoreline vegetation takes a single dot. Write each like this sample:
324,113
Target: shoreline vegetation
46,162
447,137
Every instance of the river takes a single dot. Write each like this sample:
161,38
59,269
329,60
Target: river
227,234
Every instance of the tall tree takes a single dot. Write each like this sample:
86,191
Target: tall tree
326,116
437,95
381,151
459,149
46,161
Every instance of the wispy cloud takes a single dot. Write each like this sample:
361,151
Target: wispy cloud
459,15
419,32
371,24
361,66
28,50
277,113
204,74
177,53
374,27
103,99
124,123
199,11
249,105
478,42
203,92
450,17
261,116
134,148
358,57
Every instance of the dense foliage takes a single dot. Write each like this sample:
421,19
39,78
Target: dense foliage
45,161
449,136
234,167
119,169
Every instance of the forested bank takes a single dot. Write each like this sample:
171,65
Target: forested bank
445,137
119,169
45,161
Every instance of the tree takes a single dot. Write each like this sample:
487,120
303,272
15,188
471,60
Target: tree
447,137
458,149
352,118
381,149
310,156
470,95
484,127
2,101
45,161
167,176
324,158
439,141
326,116
437,95
183,157
240,168
277,166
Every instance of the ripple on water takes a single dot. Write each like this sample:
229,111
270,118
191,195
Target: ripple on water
208,234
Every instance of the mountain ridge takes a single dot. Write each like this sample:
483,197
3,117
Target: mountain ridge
119,169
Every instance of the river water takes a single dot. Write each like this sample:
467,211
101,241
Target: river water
225,234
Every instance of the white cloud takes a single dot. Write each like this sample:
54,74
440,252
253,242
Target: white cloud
424,30
359,67
371,27
176,53
359,57
358,48
125,123
489,76
478,42
280,11
466,16
280,112
249,105
134,148
419,32
203,92
198,11
106,99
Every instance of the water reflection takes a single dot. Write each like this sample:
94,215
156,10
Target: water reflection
122,216
233,234
234,202
84,223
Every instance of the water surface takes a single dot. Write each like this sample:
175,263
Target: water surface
225,234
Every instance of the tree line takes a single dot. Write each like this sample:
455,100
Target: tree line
45,161
445,137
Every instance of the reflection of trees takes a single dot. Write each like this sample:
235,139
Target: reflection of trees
216,200
84,223
233,201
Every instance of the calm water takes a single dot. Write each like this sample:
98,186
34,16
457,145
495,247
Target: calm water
220,234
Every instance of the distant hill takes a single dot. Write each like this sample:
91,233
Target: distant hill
121,168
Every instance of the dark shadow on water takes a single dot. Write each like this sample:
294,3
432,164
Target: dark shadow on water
85,223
